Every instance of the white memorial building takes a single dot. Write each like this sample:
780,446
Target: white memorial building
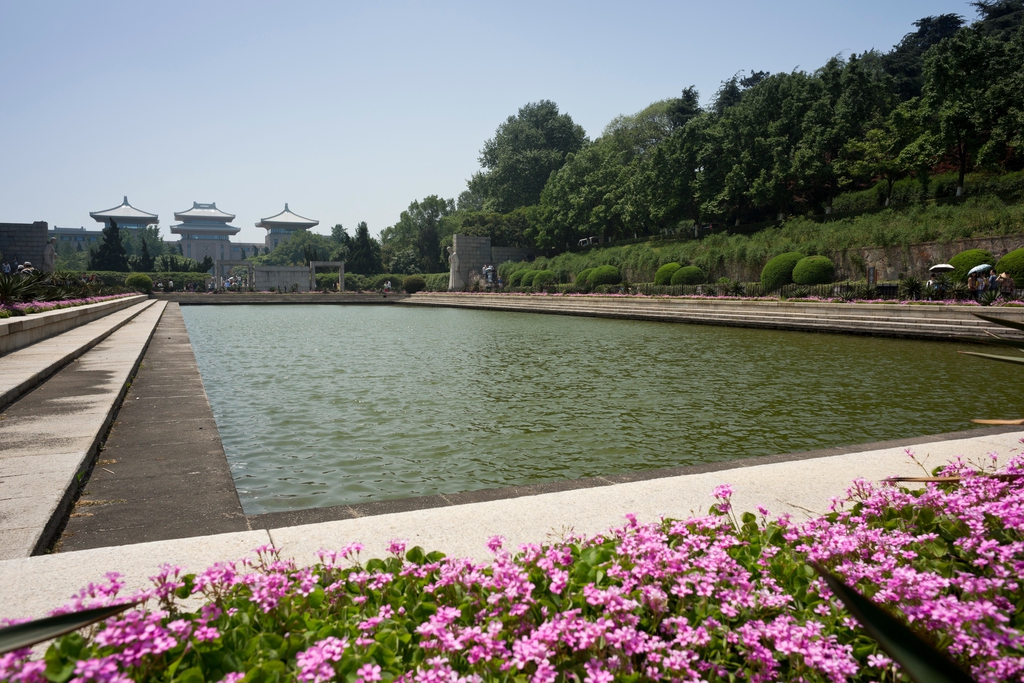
126,216
205,232
281,226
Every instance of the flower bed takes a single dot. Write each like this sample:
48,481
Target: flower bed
713,598
6,311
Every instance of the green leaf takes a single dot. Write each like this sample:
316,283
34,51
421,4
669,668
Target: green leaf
32,632
1012,324
920,661
416,555
991,356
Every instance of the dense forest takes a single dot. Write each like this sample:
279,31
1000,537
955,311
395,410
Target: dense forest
872,128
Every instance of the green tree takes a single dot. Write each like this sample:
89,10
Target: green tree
419,228
525,150
905,63
111,253
959,73
887,152
582,198
364,252
847,97
299,249
665,190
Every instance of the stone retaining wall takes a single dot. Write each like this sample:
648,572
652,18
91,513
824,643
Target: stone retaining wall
23,241
21,331
936,322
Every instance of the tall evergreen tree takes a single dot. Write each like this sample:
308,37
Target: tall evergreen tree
364,252
111,253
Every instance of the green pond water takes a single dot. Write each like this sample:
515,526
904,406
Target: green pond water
330,405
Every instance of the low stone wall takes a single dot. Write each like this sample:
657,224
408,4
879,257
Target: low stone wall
936,322
282,277
247,298
21,331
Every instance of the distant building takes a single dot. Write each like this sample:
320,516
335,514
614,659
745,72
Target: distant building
205,232
280,227
250,249
80,238
126,216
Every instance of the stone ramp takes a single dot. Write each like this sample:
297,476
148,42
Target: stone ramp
889,320
162,473
27,368
48,438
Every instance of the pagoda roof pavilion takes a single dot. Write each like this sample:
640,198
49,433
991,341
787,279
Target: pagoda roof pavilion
125,213
288,220
204,219
204,212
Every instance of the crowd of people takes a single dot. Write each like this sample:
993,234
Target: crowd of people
977,285
13,267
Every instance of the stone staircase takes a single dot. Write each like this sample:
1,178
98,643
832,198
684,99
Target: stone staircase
888,320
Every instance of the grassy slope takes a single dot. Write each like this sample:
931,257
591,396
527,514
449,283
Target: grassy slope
721,255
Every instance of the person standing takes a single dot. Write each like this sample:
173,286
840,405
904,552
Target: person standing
1007,287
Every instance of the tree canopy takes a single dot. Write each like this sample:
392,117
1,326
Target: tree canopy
525,150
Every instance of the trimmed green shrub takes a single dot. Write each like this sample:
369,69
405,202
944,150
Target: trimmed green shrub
437,282
139,282
354,282
779,271
581,277
516,278
375,283
1013,265
965,260
604,275
688,275
814,270
413,284
544,277
665,273
528,276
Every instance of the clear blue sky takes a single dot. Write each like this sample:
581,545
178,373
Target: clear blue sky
349,111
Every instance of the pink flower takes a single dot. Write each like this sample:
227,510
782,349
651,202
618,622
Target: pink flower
368,673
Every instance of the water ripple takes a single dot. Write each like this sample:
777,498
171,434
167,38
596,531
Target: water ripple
329,405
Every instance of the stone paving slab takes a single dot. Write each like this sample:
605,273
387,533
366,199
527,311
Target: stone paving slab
33,586
28,367
48,437
162,473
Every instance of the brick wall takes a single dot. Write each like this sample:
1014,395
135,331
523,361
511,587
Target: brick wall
23,241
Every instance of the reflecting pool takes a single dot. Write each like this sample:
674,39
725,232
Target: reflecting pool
330,405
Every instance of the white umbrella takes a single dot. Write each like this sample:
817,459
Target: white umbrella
979,269
942,268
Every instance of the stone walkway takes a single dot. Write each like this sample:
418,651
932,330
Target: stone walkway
162,473
48,437
28,367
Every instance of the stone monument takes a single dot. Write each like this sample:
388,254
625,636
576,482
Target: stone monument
455,281
50,256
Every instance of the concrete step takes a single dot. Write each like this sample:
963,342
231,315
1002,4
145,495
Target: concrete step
878,319
49,437
27,368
